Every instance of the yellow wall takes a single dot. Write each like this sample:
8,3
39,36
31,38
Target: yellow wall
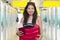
51,4
22,0
18,4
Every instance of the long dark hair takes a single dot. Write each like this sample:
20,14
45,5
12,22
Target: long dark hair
26,15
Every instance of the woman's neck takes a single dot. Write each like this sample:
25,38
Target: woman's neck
30,16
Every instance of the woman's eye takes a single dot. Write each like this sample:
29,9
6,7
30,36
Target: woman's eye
32,8
28,8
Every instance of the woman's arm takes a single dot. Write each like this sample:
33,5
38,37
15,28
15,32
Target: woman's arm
40,25
22,19
20,32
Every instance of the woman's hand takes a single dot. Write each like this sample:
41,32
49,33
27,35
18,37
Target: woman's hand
19,33
38,38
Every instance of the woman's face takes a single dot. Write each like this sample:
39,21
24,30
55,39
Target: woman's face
30,10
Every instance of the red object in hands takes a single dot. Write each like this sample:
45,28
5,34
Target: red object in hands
30,33
22,29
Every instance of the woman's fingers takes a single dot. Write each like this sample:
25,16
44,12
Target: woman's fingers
20,33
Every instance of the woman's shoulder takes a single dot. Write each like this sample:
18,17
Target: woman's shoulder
38,18
22,19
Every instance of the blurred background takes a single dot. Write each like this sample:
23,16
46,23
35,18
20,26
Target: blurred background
11,12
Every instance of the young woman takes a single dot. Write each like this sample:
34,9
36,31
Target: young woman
30,16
